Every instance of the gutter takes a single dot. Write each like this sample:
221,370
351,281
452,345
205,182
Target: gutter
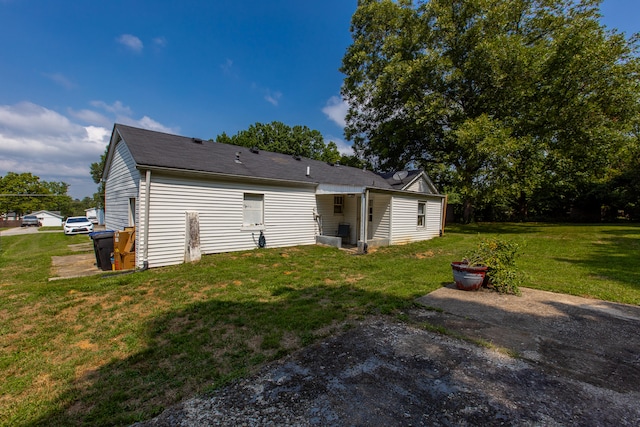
224,176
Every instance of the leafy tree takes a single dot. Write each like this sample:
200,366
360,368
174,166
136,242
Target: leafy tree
59,200
280,138
97,170
502,101
24,192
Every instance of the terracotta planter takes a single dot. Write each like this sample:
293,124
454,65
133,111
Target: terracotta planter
468,278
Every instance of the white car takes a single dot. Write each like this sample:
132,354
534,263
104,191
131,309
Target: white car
77,224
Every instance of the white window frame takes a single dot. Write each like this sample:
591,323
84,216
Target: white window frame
422,214
253,210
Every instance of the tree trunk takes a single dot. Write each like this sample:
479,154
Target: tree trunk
523,207
467,212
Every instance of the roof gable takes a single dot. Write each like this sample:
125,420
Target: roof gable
413,180
55,214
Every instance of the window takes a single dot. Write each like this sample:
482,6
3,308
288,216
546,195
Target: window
422,210
338,204
370,210
253,209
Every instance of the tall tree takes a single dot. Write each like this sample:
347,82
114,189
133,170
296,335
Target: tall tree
500,100
281,138
24,192
97,170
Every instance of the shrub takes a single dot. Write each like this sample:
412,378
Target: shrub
499,256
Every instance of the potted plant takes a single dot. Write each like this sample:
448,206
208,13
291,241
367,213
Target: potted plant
468,277
497,257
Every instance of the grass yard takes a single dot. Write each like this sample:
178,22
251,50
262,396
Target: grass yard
112,350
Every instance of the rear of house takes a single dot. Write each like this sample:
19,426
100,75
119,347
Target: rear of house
187,196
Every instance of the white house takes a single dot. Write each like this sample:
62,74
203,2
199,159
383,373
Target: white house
49,219
92,215
187,197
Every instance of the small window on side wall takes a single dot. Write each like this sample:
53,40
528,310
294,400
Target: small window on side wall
338,204
422,210
253,209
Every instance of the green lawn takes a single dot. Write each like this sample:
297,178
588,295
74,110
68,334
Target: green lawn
111,350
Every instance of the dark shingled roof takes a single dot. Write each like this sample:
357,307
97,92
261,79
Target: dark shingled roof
399,184
156,149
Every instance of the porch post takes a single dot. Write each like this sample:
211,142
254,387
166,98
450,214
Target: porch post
364,208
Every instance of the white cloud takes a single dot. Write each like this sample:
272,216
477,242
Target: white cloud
131,42
148,123
116,108
227,66
272,97
336,110
60,80
123,114
160,42
55,147
343,147
91,117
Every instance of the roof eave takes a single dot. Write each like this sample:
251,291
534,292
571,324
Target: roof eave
404,192
226,176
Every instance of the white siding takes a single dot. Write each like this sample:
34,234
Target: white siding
123,183
330,220
48,220
380,227
288,217
405,210
351,215
434,217
420,186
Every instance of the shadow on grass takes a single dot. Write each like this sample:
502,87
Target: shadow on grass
616,257
207,345
495,228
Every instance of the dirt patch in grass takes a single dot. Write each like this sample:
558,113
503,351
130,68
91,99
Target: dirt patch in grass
423,255
354,278
64,267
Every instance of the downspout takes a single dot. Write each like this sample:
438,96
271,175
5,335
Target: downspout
443,220
147,203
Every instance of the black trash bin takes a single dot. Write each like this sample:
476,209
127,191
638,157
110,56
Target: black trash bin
103,248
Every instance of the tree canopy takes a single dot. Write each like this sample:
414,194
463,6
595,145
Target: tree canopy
97,170
516,106
281,138
24,193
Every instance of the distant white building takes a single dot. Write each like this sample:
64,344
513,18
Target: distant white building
48,218
92,215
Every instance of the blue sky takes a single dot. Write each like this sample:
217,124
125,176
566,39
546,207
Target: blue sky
70,69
